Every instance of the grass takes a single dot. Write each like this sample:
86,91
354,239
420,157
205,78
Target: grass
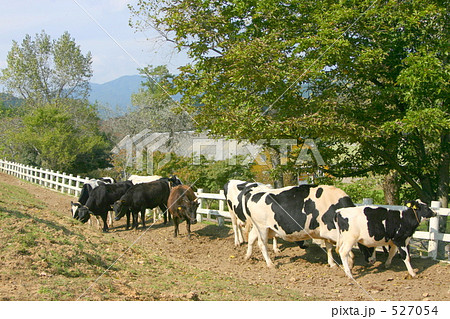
46,255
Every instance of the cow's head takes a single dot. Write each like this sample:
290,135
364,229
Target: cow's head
188,210
82,214
174,181
120,209
420,209
74,207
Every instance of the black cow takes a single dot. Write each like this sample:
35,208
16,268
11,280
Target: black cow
86,190
142,196
375,226
100,201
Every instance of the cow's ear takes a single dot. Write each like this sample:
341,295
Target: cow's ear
408,204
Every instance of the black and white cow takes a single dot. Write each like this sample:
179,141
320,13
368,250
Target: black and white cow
294,213
86,190
100,201
233,195
375,226
84,195
141,196
233,191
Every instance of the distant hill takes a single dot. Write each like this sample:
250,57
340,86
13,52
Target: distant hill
114,96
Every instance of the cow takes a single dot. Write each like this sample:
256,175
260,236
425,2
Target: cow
182,205
233,195
100,200
293,213
375,226
86,190
142,196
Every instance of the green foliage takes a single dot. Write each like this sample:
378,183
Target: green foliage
366,187
359,75
41,69
55,139
53,126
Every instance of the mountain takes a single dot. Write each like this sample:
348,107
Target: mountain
114,96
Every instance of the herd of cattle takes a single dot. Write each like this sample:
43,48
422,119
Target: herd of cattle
258,212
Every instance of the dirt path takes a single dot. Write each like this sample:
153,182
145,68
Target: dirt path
304,272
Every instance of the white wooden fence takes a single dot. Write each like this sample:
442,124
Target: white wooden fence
72,185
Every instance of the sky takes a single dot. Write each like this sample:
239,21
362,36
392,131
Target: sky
97,26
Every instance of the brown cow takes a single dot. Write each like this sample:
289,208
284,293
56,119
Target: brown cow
182,205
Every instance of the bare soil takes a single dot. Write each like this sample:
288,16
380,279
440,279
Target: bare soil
150,264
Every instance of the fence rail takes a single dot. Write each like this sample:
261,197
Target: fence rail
72,185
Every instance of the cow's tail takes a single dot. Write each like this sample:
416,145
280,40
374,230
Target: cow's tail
336,223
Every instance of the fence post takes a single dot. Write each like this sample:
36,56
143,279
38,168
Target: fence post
220,219
200,202
434,230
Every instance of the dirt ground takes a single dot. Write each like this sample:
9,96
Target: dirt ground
211,248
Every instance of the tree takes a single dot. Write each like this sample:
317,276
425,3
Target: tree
55,139
42,70
57,128
369,78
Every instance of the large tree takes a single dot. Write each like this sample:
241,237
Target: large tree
369,78
55,126
42,70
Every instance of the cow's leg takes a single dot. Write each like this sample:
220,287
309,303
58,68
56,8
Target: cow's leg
329,248
105,222
135,219
143,217
392,252
404,254
128,219
351,259
175,223
263,237
188,227
240,236
165,213
344,250
274,242
373,258
110,219
252,236
236,230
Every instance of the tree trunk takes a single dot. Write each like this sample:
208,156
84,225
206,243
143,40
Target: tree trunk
391,188
276,169
444,170
443,187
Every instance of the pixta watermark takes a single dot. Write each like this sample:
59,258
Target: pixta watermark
236,153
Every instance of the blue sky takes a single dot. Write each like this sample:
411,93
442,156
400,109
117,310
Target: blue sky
21,17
